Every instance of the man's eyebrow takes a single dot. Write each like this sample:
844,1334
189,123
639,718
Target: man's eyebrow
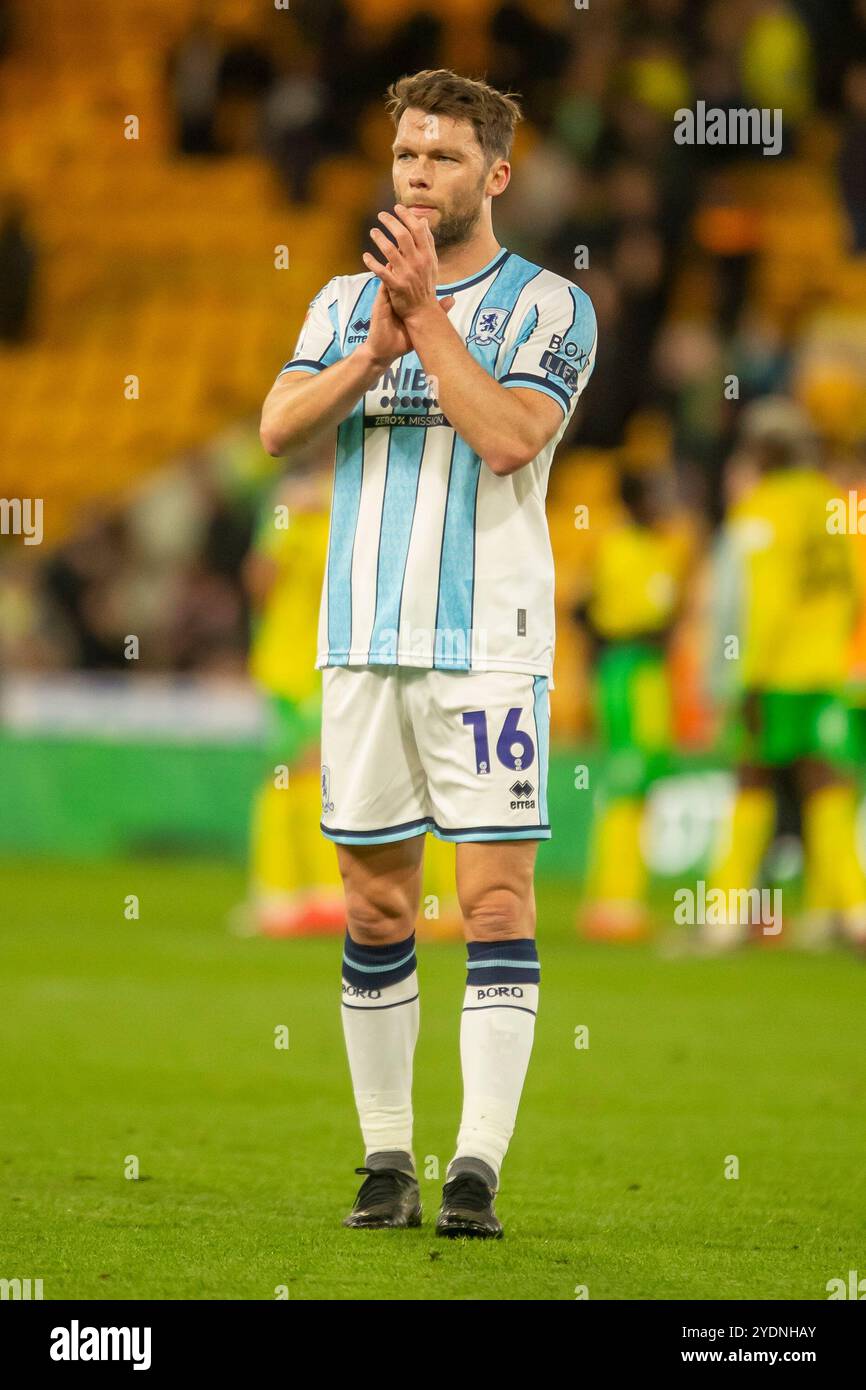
399,147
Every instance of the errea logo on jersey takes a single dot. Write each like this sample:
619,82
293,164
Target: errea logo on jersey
522,792
360,328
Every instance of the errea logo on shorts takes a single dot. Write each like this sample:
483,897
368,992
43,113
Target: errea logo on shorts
522,792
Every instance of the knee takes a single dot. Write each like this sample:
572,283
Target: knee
500,914
378,920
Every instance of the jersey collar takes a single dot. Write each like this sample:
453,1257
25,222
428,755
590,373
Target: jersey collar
499,259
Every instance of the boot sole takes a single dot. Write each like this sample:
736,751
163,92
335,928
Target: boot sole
383,1224
470,1229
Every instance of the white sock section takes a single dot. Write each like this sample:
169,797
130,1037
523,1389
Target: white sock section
380,1025
496,1033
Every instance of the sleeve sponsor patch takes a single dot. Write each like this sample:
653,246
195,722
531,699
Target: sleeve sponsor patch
558,366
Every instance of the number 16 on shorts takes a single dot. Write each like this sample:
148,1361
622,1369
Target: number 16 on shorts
514,747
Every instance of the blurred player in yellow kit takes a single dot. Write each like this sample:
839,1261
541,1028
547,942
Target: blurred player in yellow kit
296,888
637,586
849,480
793,581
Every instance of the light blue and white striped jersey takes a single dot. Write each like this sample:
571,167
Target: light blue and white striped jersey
433,560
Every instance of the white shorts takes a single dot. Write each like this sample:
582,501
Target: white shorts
406,749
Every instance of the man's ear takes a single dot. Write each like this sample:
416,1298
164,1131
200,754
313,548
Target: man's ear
499,178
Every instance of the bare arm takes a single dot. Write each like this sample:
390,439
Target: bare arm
301,406
506,426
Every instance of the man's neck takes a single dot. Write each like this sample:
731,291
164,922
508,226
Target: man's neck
463,261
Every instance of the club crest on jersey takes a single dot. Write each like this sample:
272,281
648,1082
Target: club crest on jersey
489,327
327,803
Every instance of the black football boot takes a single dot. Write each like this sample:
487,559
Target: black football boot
467,1209
389,1198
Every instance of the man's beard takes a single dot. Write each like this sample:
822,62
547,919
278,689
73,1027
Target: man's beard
455,228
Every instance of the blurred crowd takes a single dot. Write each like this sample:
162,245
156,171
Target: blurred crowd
599,170
166,569
672,243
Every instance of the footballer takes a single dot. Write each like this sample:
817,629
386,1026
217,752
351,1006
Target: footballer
449,368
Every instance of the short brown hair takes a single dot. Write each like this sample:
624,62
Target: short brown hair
438,91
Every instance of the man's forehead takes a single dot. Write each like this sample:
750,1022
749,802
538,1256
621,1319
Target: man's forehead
423,127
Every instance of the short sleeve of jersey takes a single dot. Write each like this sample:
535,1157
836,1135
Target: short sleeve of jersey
555,350
318,344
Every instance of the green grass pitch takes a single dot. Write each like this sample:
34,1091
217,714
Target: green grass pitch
155,1039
